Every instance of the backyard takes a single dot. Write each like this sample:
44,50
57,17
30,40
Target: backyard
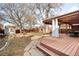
32,29
17,45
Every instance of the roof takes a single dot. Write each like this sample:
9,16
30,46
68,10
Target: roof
70,18
9,24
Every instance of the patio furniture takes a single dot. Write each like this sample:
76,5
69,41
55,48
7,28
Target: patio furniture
74,33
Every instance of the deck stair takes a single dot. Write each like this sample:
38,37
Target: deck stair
61,47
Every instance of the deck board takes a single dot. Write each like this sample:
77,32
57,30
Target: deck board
64,46
68,46
74,50
77,52
70,49
47,50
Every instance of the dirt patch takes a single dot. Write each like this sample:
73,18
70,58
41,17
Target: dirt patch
16,46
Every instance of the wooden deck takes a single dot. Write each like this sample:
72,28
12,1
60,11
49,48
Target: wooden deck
63,46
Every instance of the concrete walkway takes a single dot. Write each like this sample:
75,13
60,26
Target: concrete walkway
32,50
23,35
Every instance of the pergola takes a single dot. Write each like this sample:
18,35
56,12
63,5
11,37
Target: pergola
72,19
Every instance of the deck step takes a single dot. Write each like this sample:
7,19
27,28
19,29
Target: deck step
67,49
63,47
54,50
49,52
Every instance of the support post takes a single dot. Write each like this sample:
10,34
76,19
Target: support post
55,28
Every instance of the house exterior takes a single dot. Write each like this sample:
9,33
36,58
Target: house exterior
65,43
64,23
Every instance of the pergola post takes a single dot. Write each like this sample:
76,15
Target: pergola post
55,28
46,29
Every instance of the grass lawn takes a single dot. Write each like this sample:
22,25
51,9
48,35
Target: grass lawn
36,33
2,42
16,46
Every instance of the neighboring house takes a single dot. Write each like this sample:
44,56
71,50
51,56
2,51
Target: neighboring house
10,29
7,29
45,29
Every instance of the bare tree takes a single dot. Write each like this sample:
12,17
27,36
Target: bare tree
21,14
15,13
30,17
45,8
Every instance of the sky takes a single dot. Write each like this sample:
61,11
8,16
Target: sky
69,7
